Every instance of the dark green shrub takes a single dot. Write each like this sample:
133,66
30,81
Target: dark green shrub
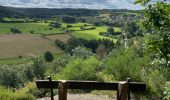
15,30
60,44
68,19
110,30
55,24
69,26
32,31
48,56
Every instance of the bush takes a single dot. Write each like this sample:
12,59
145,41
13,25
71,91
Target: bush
48,56
8,94
104,33
123,64
55,24
15,30
79,69
117,33
69,26
82,52
110,30
60,44
167,91
32,31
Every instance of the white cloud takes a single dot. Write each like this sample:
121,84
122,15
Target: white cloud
91,4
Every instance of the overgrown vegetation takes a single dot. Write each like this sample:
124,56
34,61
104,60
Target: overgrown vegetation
103,47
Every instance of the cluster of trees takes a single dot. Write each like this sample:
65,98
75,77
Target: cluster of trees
68,19
55,25
91,44
110,32
84,28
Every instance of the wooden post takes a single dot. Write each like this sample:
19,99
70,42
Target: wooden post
51,87
128,81
62,90
122,92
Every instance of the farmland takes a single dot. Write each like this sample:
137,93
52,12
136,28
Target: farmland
27,27
15,45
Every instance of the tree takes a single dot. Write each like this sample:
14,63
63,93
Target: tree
82,52
15,30
48,56
157,18
55,24
69,19
110,30
101,51
131,28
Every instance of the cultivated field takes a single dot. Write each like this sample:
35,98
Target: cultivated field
61,37
15,45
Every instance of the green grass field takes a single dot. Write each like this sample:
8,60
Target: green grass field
13,61
93,34
27,27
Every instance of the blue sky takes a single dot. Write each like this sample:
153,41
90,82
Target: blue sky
90,4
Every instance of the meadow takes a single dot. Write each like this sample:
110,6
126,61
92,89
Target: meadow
94,34
26,27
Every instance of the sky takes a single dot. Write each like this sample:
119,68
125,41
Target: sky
90,4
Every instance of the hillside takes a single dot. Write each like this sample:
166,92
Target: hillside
50,12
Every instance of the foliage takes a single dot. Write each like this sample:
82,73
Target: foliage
121,65
13,76
91,44
79,69
131,28
82,52
155,78
55,24
8,94
157,17
15,30
167,91
73,43
38,68
60,44
101,51
48,56
60,63
68,19
110,30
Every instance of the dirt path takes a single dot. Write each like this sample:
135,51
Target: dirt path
82,97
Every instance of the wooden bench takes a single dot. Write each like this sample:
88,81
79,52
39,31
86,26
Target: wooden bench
123,88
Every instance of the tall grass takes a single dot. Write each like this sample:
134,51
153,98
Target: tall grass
8,94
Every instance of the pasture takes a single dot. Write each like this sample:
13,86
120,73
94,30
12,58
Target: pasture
41,28
93,34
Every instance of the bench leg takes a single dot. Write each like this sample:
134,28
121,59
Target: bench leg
62,91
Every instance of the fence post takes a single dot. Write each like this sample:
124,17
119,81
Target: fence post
51,87
128,81
62,90
122,92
